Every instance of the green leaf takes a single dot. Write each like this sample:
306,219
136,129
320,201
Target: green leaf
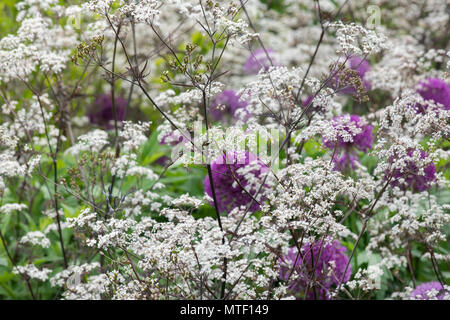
149,148
313,148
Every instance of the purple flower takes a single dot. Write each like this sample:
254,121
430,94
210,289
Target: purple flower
435,90
409,174
420,293
361,66
226,104
320,262
361,141
228,183
348,140
313,108
345,162
170,139
103,114
258,60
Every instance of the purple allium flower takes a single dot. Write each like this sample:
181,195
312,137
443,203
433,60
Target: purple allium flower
226,104
229,193
170,139
361,66
321,261
103,114
436,90
258,60
313,108
348,141
411,179
345,162
420,293
362,141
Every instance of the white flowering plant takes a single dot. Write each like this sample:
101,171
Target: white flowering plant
205,149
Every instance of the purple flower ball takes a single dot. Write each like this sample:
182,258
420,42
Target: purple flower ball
411,178
435,90
103,114
321,260
172,139
258,60
420,293
314,108
361,141
229,193
361,66
345,162
226,104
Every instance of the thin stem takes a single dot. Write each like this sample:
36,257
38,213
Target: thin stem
26,279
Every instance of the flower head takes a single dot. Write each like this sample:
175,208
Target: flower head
435,90
345,162
410,177
313,108
226,104
237,177
427,290
170,139
103,114
258,60
353,132
320,262
343,81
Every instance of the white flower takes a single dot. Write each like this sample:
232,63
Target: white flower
36,238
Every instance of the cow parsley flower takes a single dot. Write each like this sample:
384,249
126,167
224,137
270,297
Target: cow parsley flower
237,177
35,238
319,267
31,271
11,207
92,141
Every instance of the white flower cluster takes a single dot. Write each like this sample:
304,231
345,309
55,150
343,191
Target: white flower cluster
38,43
33,272
133,135
11,207
60,279
141,226
294,208
366,279
356,40
35,238
93,141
